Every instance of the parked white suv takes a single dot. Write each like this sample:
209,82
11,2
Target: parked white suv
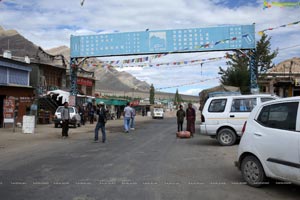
74,115
223,117
269,146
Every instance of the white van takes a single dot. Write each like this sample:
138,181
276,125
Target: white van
223,117
158,113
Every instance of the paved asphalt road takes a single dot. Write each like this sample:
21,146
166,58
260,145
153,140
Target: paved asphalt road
149,163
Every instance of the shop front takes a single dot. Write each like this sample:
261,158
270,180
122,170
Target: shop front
14,89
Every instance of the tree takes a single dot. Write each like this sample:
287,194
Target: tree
238,72
263,55
177,98
152,94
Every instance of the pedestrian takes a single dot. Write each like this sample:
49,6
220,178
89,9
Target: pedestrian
190,119
127,116
132,121
65,117
81,113
86,113
91,113
33,111
143,112
101,112
180,118
118,112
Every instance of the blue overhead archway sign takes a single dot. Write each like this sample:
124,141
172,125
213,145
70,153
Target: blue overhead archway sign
220,38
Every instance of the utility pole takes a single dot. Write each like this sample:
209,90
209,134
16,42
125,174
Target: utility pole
74,65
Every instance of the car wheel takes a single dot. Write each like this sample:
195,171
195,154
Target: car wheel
226,137
79,125
56,125
252,171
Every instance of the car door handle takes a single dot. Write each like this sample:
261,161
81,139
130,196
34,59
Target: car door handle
258,134
231,116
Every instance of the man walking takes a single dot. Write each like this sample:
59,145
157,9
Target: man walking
132,122
65,117
127,116
101,112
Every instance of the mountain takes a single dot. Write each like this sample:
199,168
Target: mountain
20,47
17,44
107,79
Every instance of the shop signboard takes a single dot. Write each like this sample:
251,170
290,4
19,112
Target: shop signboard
9,107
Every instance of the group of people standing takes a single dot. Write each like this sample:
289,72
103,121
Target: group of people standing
190,115
129,114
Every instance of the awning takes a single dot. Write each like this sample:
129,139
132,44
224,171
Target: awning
115,102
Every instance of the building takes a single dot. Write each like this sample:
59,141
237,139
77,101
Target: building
85,82
283,80
15,87
48,72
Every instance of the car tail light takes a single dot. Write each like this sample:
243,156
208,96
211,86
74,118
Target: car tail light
202,118
244,128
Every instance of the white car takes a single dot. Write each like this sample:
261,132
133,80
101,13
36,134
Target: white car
223,117
158,113
74,115
269,145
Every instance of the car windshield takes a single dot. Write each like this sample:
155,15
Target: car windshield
59,109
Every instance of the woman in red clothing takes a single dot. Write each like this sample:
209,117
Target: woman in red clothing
190,119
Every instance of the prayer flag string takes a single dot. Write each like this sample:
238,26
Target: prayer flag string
282,26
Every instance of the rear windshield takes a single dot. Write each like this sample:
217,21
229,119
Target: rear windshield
217,105
59,109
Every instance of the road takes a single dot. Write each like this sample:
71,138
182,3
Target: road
149,163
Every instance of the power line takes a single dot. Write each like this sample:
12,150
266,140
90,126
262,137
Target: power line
192,83
298,45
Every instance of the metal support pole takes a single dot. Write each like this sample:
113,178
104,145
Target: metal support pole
253,79
73,74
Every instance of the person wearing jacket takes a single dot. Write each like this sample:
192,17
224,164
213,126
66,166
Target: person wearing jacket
180,118
65,117
190,119
101,112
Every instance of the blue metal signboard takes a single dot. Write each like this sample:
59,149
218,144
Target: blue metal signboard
164,41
